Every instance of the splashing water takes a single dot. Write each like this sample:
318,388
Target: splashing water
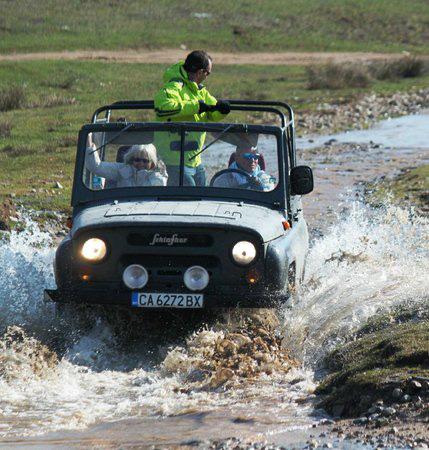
26,269
367,262
370,261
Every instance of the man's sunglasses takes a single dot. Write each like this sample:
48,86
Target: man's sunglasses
143,160
254,156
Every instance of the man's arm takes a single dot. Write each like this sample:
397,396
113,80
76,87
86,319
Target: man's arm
168,102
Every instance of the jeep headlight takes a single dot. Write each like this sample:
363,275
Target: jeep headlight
244,252
94,250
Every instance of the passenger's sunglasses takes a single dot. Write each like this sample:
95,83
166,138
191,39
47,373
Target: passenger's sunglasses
206,72
249,156
143,160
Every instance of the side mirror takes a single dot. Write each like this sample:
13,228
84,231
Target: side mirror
301,180
189,146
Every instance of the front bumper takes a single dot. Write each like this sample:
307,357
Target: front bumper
236,298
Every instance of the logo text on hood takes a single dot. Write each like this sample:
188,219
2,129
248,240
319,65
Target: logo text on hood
169,240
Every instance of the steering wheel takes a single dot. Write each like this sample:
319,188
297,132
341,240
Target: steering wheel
251,181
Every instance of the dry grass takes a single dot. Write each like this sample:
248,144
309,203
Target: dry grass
5,129
16,151
52,100
338,76
12,97
406,67
352,75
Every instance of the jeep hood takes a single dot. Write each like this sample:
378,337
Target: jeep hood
262,220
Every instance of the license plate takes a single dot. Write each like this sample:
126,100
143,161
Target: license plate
166,300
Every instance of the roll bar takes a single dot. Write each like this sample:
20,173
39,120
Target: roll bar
275,107
236,105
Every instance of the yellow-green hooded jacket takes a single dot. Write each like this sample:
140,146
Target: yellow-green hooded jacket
178,100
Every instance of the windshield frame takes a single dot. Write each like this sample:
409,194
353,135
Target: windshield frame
82,195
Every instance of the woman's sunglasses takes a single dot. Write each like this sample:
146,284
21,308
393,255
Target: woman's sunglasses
143,160
249,156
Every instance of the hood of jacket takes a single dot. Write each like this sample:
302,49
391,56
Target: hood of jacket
176,71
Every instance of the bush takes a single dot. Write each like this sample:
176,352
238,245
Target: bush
11,98
5,129
406,67
338,76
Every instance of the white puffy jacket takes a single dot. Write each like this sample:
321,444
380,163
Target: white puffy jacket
125,175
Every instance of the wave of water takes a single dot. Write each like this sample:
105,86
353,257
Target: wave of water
26,269
368,262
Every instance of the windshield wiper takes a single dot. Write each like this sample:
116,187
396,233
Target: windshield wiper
127,127
211,143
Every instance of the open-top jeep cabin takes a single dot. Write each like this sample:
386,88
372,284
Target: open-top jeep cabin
145,234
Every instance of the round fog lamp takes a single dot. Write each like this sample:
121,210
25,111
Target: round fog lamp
196,278
94,249
243,252
135,276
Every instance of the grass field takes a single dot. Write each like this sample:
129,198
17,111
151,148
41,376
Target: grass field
243,25
38,140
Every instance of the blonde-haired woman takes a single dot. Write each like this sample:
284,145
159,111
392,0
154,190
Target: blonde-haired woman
141,167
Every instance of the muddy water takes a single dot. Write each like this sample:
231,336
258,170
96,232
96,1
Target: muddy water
97,387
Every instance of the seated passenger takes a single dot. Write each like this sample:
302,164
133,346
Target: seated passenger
246,160
141,167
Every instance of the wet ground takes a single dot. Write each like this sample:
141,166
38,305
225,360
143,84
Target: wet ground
96,388
341,162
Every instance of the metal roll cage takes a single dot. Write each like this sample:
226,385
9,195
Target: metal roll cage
274,107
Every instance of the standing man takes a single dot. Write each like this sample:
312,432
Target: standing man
184,98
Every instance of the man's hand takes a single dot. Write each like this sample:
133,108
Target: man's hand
223,107
206,108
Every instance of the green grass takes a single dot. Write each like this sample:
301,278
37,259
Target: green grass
39,142
369,368
243,25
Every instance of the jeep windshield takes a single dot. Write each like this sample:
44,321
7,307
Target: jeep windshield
222,156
